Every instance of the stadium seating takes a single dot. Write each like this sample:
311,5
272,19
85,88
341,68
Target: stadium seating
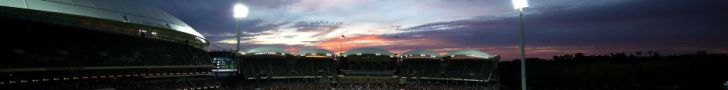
42,50
356,69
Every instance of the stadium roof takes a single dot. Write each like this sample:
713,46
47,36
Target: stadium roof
470,52
116,10
368,50
268,50
315,51
420,52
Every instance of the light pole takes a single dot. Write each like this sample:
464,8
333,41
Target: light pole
519,5
396,30
239,12
341,43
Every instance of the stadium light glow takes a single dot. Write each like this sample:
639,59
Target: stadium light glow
240,11
520,4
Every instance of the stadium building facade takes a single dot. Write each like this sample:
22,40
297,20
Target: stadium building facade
61,43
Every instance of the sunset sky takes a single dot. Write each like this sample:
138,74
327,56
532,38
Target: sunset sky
553,27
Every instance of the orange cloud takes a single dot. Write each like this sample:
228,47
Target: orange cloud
342,44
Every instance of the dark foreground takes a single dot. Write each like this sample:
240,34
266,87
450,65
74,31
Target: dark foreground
700,71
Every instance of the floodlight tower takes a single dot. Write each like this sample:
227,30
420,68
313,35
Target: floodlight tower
396,32
520,5
239,12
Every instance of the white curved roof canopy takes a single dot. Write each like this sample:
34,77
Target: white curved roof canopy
471,53
368,50
267,50
117,10
315,51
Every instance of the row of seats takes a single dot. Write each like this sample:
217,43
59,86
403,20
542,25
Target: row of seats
274,65
313,84
41,45
480,69
35,50
369,65
448,85
368,62
289,84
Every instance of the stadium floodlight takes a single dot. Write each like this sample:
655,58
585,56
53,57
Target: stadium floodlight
239,12
520,5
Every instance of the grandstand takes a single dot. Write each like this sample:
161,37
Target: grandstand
368,62
420,63
274,68
470,64
315,62
265,62
71,41
367,68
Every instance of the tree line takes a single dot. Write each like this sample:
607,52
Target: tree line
619,71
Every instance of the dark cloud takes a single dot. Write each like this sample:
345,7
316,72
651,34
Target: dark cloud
257,25
645,23
270,3
552,25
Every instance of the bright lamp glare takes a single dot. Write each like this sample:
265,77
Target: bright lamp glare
240,11
520,4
